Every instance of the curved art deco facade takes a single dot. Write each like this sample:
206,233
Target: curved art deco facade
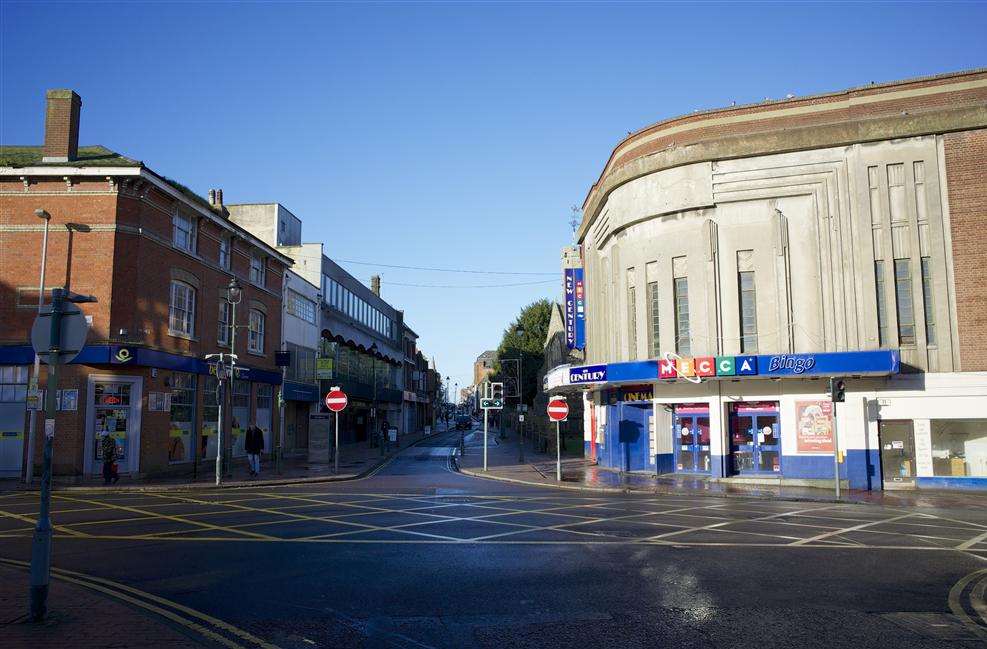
836,223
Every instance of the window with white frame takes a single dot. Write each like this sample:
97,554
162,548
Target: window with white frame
255,338
223,330
183,232
301,307
224,252
257,269
181,311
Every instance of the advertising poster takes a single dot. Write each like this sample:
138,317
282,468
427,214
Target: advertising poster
814,430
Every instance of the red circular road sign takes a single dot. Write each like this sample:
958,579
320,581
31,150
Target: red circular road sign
336,400
558,409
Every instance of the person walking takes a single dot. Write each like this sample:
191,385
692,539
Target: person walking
108,447
254,443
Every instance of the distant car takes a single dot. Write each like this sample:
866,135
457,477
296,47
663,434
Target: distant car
464,422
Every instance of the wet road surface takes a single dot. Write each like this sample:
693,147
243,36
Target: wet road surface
417,555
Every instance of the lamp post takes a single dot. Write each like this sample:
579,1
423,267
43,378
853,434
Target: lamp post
373,409
519,330
33,419
448,402
233,295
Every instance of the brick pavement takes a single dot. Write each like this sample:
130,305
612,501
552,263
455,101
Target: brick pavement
80,618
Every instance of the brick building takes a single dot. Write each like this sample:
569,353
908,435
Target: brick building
158,258
735,259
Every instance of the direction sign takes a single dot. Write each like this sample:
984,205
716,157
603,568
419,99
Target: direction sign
336,400
491,404
558,409
74,330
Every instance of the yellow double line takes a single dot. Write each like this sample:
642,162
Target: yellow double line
207,626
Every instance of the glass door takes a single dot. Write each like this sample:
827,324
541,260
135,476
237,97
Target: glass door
692,450
742,443
113,405
897,441
755,438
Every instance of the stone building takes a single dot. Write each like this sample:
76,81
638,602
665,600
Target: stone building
736,259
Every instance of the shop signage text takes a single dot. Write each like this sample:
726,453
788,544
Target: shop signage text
588,374
575,308
706,366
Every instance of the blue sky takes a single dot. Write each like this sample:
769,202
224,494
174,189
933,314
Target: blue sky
440,134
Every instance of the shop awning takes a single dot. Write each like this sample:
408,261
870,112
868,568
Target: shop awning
881,362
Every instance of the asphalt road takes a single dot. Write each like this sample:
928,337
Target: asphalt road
418,555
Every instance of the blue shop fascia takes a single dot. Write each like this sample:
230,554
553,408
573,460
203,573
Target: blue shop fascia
754,418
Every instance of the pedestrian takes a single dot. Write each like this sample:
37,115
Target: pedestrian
384,437
254,444
108,447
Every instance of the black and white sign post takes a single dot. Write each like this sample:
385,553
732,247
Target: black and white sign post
493,399
58,335
336,401
558,411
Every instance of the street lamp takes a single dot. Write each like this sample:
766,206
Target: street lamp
32,421
448,402
234,294
519,330
373,409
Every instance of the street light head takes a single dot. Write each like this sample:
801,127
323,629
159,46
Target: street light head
42,214
234,292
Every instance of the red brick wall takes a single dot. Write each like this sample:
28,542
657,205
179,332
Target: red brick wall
966,177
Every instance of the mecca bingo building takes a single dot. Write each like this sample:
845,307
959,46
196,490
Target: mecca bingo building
730,262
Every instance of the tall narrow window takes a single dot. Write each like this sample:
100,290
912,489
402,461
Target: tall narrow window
928,305
183,232
255,328
224,252
653,348
181,311
257,269
631,323
223,326
748,312
683,341
882,314
906,307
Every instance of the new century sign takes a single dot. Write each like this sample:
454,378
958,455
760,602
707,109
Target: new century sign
864,363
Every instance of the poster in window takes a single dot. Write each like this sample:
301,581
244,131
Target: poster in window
814,428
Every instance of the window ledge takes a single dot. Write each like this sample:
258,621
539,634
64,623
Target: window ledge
184,336
259,354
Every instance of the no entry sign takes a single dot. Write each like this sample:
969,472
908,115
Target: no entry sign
336,400
558,409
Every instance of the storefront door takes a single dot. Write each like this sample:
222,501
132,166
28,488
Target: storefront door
114,410
897,441
690,427
635,438
755,438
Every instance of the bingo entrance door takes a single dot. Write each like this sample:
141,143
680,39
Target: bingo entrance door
690,428
755,438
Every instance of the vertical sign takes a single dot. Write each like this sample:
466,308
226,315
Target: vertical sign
580,287
814,431
569,286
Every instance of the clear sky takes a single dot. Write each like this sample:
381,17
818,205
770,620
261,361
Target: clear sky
438,134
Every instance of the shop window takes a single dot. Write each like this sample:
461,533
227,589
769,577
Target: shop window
182,417
631,322
927,303
903,295
240,415
210,418
882,314
255,331
959,447
654,345
683,340
13,384
181,311
748,312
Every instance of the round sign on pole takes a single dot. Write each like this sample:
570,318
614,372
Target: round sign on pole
558,409
74,330
336,400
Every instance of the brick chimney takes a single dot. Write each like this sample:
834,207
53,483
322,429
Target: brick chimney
62,126
375,285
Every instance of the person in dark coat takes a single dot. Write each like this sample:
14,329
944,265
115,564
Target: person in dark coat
254,444
108,446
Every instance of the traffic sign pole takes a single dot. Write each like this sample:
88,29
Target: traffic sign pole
558,452
336,400
335,455
485,411
558,411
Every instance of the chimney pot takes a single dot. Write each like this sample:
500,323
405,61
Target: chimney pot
219,197
212,196
62,126
375,285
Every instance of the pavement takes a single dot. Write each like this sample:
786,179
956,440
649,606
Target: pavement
355,460
417,554
581,474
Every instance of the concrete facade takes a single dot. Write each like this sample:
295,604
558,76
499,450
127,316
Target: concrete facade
843,223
